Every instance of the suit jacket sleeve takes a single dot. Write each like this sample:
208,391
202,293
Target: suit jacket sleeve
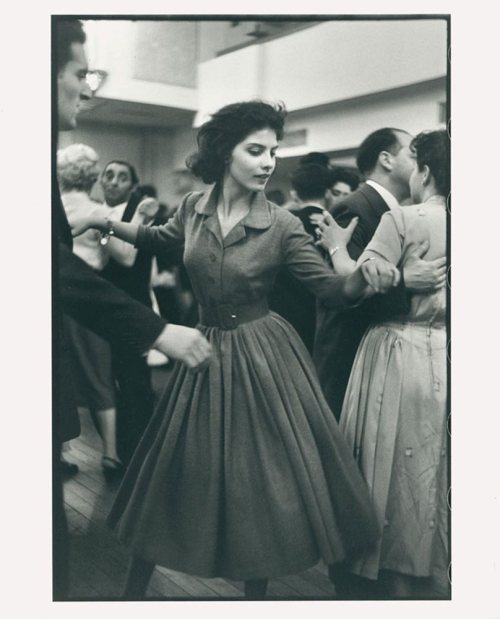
381,306
104,308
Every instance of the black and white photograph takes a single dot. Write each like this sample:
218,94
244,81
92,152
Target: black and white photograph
281,220
248,379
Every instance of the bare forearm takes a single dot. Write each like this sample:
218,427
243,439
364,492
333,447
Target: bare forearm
355,287
125,231
341,261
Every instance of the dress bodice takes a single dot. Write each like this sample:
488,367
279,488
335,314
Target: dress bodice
241,267
399,233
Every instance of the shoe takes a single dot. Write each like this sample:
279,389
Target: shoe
113,470
68,469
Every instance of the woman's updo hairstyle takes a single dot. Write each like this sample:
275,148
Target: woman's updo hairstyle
77,167
432,148
228,127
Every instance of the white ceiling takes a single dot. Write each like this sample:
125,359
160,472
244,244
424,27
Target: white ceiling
132,114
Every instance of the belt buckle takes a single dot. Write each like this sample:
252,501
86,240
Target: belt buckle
227,317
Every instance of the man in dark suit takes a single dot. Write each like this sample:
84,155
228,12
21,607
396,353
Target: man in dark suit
129,269
84,295
289,297
385,160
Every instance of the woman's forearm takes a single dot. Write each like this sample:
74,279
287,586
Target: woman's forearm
125,231
121,230
341,261
355,288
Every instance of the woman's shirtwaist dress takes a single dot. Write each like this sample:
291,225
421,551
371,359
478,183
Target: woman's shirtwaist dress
243,471
394,415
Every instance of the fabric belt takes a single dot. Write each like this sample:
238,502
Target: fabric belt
228,316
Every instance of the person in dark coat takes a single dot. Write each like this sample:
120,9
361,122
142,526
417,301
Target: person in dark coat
290,298
87,297
130,270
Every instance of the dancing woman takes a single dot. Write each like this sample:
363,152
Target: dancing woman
394,413
242,472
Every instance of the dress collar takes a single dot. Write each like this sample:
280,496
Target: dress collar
436,199
259,215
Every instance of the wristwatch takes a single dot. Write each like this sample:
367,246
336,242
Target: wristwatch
110,231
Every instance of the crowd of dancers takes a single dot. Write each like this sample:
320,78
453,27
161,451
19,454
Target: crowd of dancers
304,418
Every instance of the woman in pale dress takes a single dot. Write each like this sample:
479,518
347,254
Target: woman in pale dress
394,415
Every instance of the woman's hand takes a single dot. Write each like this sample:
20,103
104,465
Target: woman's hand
380,274
148,208
375,275
79,225
332,235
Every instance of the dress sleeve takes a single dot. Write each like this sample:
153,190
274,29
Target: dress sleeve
388,239
305,263
162,239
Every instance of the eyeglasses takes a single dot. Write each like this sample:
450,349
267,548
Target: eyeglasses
95,78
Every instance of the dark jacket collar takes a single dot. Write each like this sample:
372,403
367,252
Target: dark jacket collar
374,199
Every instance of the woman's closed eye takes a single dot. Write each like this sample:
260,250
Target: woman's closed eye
258,151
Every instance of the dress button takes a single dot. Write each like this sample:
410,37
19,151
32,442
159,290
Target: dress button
386,523
212,257
409,452
211,279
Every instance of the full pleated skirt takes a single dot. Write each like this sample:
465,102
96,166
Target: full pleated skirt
394,419
243,471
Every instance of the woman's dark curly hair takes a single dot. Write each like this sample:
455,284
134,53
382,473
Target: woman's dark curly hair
432,148
228,127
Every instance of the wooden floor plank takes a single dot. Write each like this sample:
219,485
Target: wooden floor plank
305,589
222,587
162,586
193,586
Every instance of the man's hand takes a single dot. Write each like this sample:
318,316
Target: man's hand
185,344
424,275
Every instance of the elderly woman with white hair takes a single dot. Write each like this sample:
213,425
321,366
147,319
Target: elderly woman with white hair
77,172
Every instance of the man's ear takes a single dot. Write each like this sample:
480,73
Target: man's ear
294,196
385,160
